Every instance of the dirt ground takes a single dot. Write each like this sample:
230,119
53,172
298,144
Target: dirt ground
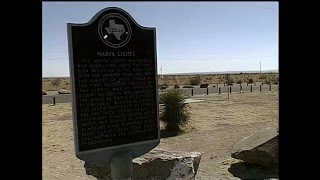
216,124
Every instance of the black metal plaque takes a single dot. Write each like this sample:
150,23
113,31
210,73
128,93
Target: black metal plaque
114,81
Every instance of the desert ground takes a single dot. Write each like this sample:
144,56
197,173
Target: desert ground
216,124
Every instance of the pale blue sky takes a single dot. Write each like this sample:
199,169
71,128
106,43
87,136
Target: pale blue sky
191,36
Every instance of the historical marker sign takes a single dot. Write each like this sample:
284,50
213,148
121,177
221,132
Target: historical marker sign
113,71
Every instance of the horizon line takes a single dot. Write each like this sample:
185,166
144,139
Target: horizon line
200,73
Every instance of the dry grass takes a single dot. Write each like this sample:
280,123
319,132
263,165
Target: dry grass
216,124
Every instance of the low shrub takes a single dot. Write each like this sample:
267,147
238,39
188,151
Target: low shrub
164,86
195,81
250,81
204,85
230,82
266,81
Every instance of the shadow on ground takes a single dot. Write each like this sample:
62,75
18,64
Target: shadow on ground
249,171
165,133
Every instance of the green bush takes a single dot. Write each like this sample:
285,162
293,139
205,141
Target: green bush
175,113
176,86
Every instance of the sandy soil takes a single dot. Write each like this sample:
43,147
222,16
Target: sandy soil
216,124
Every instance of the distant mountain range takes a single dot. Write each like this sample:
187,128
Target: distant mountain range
224,72
195,73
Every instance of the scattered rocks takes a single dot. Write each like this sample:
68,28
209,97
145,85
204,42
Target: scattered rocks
156,164
260,148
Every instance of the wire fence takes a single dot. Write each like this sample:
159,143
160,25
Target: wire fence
223,88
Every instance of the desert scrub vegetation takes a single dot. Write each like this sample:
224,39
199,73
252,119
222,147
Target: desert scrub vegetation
188,86
164,85
205,85
175,113
250,81
266,81
195,81
230,81
276,81
56,83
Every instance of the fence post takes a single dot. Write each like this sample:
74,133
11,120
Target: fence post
230,89
192,92
54,100
240,87
250,88
207,91
219,90
260,87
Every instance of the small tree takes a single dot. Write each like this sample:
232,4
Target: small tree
239,81
56,83
175,113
